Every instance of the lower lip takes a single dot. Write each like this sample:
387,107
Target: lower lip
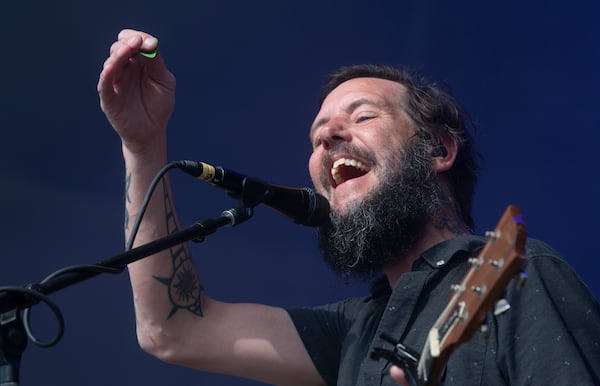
350,181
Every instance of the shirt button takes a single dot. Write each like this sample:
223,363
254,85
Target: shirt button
439,263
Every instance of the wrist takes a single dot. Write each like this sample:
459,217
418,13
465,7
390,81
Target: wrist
148,158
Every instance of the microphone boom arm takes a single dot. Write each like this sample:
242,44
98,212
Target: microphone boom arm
196,232
14,299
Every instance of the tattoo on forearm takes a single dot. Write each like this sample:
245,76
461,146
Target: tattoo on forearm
127,186
127,199
183,286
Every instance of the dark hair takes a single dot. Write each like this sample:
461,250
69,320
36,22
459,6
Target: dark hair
436,114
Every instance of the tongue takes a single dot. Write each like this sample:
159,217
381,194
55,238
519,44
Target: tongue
346,173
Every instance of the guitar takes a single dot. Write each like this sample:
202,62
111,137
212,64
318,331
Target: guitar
480,292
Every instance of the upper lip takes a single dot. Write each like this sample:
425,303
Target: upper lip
344,166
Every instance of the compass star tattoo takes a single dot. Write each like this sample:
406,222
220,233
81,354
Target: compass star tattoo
183,285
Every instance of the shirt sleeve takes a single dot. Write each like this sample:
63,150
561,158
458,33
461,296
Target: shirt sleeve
322,330
551,336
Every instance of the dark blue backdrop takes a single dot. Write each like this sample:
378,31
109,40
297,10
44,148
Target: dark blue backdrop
248,77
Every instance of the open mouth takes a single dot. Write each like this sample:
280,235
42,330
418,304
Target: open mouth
344,169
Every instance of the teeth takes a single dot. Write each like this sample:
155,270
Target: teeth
346,162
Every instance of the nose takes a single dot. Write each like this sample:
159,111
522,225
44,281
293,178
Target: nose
333,133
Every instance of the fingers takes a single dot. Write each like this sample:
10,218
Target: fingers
397,375
128,33
137,40
128,45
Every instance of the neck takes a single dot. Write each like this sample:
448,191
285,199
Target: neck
445,225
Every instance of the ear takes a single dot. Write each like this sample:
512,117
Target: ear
444,155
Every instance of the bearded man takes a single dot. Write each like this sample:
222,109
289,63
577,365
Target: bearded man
395,161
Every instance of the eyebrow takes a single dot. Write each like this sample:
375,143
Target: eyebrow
349,109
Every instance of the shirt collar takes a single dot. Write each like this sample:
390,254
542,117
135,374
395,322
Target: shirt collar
440,254
435,257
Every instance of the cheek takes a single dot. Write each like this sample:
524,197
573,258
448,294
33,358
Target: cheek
314,168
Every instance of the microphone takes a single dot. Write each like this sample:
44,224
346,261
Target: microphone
302,205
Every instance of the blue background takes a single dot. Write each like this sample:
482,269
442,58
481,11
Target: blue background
248,79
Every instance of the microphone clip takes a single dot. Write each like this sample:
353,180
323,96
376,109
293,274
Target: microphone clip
253,192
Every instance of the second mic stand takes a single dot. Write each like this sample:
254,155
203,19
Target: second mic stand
13,339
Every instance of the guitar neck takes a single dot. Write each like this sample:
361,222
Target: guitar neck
482,287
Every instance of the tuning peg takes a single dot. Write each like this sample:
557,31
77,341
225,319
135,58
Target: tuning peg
501,307
495,235
497,263
521,280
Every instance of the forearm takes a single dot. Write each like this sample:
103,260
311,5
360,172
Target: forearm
164,284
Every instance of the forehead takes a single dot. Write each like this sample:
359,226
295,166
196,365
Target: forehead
377,86
382,93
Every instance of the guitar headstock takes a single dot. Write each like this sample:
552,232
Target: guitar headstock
480,290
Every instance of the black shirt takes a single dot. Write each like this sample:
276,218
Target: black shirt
551,335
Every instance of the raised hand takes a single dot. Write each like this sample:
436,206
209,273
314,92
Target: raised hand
137,93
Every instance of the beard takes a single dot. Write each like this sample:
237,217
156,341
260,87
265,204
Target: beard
383,228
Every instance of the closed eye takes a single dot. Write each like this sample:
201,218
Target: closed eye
364,118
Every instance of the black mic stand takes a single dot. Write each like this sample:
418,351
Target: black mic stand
13,337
